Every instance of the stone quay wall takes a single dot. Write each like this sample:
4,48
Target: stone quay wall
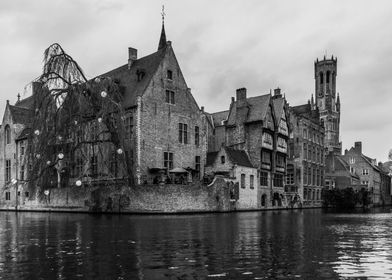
115,199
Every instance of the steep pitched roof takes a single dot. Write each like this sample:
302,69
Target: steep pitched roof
278,104
218,117
370,161
21,115
26,103
238,157
24,134
341,164
256,109
146,67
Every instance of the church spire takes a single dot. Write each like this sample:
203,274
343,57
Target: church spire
162,40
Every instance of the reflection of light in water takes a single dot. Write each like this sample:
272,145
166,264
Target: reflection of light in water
366,250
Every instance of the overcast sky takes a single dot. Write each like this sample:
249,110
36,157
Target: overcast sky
221,46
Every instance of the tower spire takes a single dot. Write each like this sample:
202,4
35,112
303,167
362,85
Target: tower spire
162,39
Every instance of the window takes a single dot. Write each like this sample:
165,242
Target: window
128,127
251,178
290,175
7,134
94,166
352,169
263,178
197,136
280,161
183,133
266,158
7,170
79,135
243,181
26,194
7,196
170,97
305,134
365,182
328,76
168,160
309,176
365,171
169,75
223,159
22,149
278,180
114,164
305,151
352,160
22,172
78,167
321,78
197,164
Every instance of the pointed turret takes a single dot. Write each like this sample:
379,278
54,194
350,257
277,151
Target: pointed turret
162,40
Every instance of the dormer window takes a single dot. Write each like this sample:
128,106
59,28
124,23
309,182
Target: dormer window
223,160
169,75
140,75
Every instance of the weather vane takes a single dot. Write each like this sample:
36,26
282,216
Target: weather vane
163,13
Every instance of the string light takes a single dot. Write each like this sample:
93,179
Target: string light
119,151
36,132
104,94
60,155
78,183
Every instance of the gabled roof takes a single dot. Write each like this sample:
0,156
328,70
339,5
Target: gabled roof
218,117
24,134
238,157
21,115
370,161
256,109
26,103
147,65
341,164
278,104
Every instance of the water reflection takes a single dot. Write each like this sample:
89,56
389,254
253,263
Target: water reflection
305,244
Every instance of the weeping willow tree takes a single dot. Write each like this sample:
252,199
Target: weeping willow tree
78,133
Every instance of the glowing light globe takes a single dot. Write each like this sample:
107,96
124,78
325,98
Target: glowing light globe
46,192
76,122
48,162
78,183
104,94
119,151
97,80
60,155
36,132
37,155
60,138
99,119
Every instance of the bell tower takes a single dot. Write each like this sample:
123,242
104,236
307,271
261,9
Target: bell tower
328,102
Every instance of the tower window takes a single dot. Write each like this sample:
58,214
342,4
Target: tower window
321,78
7,134
328,76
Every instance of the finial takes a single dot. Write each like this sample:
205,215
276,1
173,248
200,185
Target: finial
18,96
163,14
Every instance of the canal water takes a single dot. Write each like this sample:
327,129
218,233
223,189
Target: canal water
307,244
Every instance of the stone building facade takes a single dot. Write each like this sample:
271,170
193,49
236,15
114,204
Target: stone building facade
237,168
306,160
328,102
259,126
370,175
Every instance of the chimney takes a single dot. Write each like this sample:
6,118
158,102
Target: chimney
132,56
232,99
277,93
241,94
358,146
202,109
345,152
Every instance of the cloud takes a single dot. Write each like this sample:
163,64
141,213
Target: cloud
221,45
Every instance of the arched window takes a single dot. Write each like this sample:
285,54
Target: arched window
7,134
321,78
328,76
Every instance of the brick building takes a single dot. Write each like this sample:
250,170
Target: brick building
370,174
328,103
236,166
247,120
339,175
306,161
